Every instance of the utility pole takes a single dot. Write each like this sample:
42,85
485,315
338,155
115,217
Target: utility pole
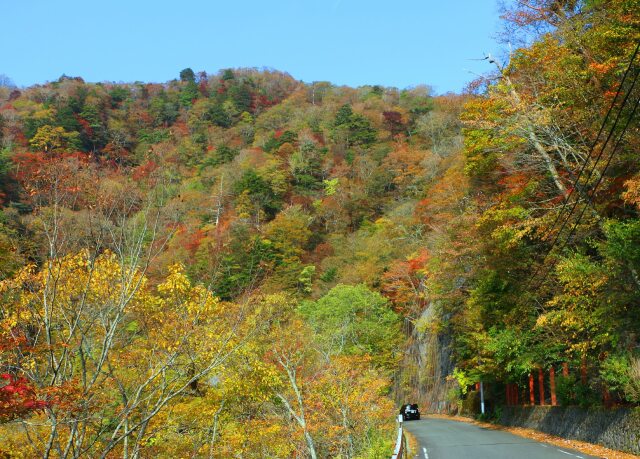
481,388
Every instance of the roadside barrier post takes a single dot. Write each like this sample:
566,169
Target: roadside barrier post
401,443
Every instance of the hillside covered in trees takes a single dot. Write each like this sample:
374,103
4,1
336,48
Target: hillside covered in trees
244,265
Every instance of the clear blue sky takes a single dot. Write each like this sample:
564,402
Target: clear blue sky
390,42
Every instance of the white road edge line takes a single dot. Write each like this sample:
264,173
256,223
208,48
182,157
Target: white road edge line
574,455
426,455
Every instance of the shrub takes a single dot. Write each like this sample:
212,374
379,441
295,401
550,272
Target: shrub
621,373
632,389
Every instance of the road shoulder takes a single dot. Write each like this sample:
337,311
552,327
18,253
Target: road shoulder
412,444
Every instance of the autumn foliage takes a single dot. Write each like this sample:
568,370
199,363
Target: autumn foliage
244,265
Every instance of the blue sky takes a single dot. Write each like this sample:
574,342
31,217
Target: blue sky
355,42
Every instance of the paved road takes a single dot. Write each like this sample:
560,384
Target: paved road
444,439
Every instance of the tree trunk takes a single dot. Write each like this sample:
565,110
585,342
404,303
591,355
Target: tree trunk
552,386
535,142
532,394
541,385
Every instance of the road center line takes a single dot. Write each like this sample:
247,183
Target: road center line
426,455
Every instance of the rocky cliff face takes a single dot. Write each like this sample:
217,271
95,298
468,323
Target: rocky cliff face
426,364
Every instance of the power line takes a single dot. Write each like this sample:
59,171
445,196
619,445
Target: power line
600,178
595,164
615,147
586,161
600,131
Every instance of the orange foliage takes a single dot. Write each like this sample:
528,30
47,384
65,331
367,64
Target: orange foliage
144,170
406,163
444,196
632,195
402,283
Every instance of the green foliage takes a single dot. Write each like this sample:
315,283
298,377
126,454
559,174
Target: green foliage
353,320
279,139
623,241
153,136
228,74
490,296
512,352
94,132
241,97
566,389
632,390
118,95
343,115
616,372
260,192
482,156
306,166
189,93
353,128
10,257
379,446
572,392
66,115
219,117
187,75
621,374
305,279
5,165
220,155
464,380
163,110
330,186
417,101
329,275
244,263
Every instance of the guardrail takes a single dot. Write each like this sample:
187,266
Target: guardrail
400,451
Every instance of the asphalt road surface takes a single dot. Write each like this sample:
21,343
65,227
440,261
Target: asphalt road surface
444,439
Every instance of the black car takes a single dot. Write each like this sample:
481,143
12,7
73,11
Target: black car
409,412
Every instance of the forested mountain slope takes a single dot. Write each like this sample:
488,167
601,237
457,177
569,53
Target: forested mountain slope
536,265
195,267
242,264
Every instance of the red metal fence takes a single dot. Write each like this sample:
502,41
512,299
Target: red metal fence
541,385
